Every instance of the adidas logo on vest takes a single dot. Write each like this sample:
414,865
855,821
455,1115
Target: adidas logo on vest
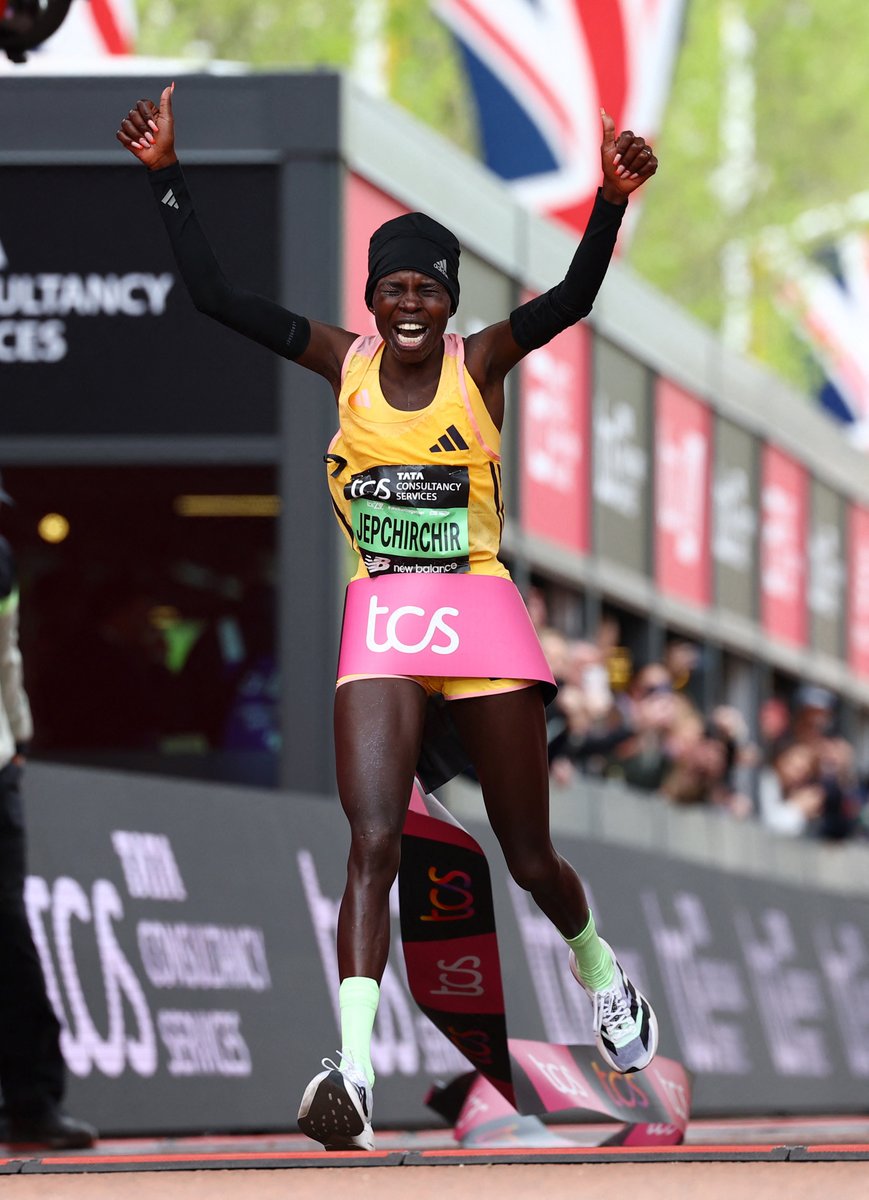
451,440
169,199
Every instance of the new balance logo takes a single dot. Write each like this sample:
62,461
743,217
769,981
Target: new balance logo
169,199
441,265
451,440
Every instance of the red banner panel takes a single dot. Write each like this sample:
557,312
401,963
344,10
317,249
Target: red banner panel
683,457
784,516
555,403
365,207
858,589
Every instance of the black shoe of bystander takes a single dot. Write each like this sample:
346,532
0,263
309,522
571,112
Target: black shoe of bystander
51,1129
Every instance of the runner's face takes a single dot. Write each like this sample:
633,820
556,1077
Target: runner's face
411,313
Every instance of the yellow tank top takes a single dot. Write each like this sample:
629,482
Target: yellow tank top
420,491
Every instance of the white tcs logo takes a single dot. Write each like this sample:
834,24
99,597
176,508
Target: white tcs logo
61,910
392,640
376,489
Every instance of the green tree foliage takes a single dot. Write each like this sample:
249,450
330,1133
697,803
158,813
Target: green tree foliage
424,73
265,34
811,122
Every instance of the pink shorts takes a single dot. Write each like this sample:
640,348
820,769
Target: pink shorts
459,635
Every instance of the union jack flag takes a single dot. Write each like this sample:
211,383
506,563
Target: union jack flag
829,305
540,72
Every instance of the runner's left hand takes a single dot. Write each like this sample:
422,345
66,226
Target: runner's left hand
627,161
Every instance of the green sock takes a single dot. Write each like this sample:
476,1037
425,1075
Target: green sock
595,964
358,998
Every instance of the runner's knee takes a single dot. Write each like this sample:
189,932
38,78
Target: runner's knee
376,852
533,870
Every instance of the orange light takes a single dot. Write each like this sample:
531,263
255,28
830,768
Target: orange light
227,506
53,528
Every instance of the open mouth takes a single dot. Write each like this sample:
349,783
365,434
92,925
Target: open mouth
410,334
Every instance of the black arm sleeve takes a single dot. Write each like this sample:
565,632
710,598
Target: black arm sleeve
261,320
537,322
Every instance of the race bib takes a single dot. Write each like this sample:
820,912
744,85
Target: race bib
411,519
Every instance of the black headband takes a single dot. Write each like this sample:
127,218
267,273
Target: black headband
414,242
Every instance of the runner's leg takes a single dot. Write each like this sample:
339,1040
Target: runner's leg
505,736
378,731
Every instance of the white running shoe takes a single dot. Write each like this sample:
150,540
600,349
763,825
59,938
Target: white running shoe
625,1027
336,1107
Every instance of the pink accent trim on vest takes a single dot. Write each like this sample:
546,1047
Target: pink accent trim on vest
459,354
359,347
456,626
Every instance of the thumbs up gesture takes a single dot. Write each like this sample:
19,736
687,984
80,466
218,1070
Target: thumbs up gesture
148,132
627,161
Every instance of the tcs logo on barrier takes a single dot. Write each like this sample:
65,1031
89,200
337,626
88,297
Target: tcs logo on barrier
436,633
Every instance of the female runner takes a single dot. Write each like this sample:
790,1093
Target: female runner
414,474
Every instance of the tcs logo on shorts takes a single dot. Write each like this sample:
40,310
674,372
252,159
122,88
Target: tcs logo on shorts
431,632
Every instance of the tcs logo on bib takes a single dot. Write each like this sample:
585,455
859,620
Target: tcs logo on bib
406,622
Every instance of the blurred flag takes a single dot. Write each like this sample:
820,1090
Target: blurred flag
830,312
540,71
93,29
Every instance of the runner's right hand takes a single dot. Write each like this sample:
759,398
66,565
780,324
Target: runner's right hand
148,132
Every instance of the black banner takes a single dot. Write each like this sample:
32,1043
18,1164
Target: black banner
189,932
97,333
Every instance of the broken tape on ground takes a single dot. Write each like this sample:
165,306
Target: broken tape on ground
454,974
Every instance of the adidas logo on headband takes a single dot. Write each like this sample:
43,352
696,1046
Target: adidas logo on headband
441,265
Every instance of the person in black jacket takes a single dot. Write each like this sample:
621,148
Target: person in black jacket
32,1069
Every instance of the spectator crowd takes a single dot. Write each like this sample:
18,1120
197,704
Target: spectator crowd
639,723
